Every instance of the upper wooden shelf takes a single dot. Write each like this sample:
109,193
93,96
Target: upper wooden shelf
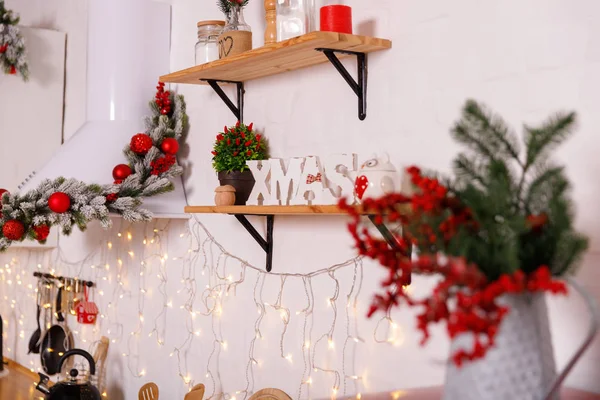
265,210
276,58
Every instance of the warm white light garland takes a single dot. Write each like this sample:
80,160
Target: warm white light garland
121,265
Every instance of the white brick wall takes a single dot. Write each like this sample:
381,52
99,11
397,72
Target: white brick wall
525,59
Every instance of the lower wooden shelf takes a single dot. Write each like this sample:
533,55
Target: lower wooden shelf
265,210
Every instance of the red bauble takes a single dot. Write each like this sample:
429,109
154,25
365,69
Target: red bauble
141,143
170,146
13,230
59,202
121,172
13,70
41,232
164,111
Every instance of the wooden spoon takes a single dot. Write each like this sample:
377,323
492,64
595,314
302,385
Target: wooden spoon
197,393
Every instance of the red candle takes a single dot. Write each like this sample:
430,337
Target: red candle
336,18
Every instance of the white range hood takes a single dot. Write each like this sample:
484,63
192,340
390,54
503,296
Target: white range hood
128,49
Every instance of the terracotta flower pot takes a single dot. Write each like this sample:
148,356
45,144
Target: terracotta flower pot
243,182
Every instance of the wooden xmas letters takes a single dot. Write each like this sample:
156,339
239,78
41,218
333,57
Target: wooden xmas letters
302,181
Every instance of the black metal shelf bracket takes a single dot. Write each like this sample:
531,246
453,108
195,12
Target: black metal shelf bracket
360,87
266,245
238,110
388,236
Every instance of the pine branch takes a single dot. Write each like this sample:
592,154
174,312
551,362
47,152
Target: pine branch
468,170
492,129
546,178
570,250
485,133
545,138
225,5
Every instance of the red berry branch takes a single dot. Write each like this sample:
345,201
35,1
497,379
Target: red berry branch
464,298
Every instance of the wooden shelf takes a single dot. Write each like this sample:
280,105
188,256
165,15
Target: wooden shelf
266,210
272,59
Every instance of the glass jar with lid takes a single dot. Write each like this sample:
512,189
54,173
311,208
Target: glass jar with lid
294,18
207,47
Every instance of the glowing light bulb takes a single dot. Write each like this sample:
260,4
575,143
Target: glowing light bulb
120,262
143,372
107,266
309,380
197,333
307,344
109,245
331,344
141,318
358,396
144,242
129,236
119,234
289,358
131,254
224,344
182,235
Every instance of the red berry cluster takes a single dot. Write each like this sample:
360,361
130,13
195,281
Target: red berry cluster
464,298
162,164
163,99
235,145
3,48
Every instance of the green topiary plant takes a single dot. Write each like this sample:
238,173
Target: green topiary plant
235,146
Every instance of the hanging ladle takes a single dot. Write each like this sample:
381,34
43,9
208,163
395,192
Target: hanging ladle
34,342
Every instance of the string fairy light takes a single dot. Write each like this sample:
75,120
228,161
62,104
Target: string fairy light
209,276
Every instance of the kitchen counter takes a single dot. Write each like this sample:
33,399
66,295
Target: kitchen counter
19,384
435,393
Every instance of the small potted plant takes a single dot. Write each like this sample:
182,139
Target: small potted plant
233,147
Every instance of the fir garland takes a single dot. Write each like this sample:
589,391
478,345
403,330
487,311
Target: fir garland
12,45
30,216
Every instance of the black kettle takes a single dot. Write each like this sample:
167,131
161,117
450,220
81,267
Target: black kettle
71,388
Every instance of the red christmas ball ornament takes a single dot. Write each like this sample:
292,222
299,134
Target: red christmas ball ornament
13,70
41,232
59,202
13,230
140,143
170,146
121,172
